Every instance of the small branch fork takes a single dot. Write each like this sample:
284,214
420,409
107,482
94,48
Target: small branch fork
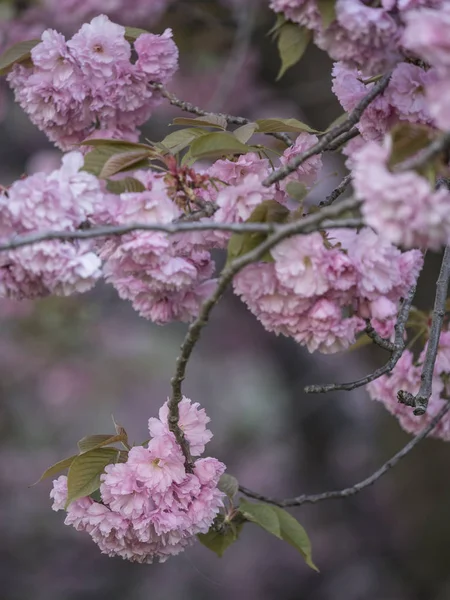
333,135
420,401
396,350
358,487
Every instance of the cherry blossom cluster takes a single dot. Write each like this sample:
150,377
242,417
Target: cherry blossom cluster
406,375
76,88
62,200
321,288
427,34
165,278
364,35
401,206
151,506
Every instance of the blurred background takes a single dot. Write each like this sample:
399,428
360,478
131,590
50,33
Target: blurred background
67,365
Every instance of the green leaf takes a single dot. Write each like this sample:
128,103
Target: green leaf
187,159
209,120
56,468
263,515
217,542
124,161
268,211
292,43
280,21
327,9
297,190
283,125
128,184
95,160
229,485
121,145
91,442
245,132
293,533
221,535
132,33
18,53
84,472
179,140
407,140
215,145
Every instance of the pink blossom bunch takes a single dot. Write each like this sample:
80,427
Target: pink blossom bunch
401,206
362,35
61,200
321,288
403,101
151,506
406,376
243,178
89,83
165,278
427,35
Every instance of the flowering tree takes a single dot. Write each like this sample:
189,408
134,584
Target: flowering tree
149,218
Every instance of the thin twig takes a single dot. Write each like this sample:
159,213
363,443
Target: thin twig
378,340
332,135
338,191
398,349
358,487
308,224
196,110
420,400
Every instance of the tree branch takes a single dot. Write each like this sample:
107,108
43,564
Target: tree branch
396,352
332,135
420,400
306,225
196,110
358,487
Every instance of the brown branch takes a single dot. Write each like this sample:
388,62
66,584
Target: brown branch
358,487
420,400
396,352
177,227
332,135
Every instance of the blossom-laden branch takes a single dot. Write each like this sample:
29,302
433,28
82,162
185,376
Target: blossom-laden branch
420,400
332,135
396,350
196,110
322,219
179,227
358,487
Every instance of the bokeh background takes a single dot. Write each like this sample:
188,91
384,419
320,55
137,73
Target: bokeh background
67,365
